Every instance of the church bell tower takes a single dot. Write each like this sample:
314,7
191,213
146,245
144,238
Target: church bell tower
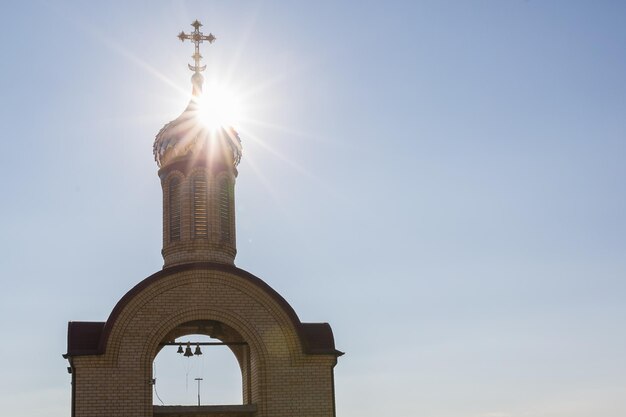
198,168
287,366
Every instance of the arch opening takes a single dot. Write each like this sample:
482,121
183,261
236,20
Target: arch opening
203,362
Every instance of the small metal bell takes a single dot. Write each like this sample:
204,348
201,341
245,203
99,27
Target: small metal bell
180,348
188,352
198,351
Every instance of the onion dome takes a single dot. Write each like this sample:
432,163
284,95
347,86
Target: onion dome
188,136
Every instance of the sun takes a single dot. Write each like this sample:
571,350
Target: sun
219,106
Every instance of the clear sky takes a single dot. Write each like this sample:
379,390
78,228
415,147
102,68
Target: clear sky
442,181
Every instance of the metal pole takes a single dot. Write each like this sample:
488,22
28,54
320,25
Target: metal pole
198,379
205,343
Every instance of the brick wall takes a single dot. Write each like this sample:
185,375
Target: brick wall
283,381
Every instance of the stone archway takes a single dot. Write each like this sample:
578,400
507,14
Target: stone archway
220,333
287,365
208,349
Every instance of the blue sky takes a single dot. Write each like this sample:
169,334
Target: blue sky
442,181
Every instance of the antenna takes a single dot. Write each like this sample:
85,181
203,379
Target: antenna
198,379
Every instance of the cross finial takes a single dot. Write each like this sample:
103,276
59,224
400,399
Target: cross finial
197,38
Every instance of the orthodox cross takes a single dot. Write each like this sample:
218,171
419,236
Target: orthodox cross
197,38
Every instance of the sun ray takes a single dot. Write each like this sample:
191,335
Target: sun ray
328,188
267,184
280,128
89,29
244,39
235,115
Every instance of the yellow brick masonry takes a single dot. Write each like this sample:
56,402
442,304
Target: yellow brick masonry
284,381
188,248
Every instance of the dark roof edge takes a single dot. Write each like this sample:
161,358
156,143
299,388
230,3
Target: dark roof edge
316,338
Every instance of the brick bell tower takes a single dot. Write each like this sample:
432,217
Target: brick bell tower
287,366
198,167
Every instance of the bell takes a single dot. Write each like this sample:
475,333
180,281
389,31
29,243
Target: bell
198,351
188,351
180,348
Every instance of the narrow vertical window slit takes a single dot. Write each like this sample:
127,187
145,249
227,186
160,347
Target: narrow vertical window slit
200,214
224,210
174,209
